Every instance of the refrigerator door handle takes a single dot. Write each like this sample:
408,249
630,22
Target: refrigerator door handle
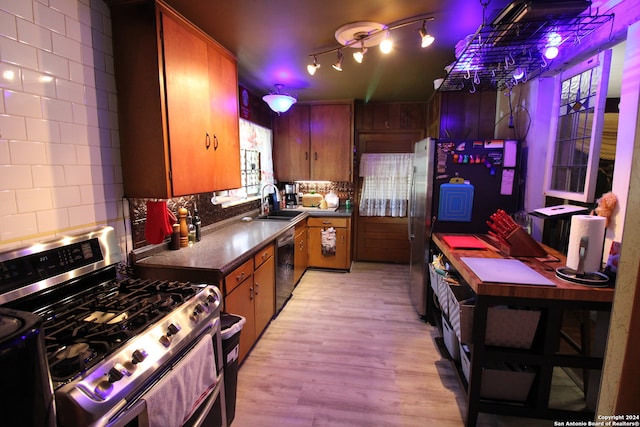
410,213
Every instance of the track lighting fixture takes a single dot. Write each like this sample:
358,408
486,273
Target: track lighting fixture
279,102
425,38
359,54
312,68
338,65
363,35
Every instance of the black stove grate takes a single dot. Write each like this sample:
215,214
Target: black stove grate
86,326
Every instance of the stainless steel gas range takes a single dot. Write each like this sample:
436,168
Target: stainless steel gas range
119,351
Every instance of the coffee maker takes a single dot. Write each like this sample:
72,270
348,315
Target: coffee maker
291,195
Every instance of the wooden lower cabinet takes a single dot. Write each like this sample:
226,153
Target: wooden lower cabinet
264,293
254,297
300,256
336,256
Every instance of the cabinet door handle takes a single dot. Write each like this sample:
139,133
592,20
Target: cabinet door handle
265,255
326,222
251,292
207,140
306,155
257,286
215,142
315,156
240,278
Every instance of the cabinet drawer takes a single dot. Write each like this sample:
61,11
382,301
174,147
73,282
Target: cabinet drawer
239,275
328,222
263,255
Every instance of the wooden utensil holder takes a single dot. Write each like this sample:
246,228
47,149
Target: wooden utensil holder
522,244
519,243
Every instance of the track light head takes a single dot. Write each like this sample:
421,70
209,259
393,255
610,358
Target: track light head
359,55
386,46
312,68
338,65
426,39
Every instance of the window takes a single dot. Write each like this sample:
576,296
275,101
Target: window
256,165
576,149
385,190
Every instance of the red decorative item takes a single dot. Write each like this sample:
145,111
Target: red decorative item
158,224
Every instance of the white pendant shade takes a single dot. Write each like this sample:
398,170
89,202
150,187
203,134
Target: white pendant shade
279,102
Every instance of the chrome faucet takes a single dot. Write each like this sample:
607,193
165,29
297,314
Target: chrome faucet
264,204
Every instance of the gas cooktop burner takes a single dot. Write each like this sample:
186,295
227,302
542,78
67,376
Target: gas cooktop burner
68,361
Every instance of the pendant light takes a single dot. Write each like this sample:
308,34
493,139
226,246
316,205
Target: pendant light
279,102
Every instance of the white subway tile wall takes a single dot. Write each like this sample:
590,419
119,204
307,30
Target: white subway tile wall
60,166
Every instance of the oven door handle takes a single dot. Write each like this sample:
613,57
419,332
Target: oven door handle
138,408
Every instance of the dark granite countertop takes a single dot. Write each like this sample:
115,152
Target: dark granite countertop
223,248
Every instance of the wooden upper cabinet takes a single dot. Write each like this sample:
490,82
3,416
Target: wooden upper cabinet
291,144
223,104
178,133
314,142
331,134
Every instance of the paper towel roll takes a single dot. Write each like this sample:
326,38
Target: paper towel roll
592,227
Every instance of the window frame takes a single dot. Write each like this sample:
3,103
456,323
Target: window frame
602,60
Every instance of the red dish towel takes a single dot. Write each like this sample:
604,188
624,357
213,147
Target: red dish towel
158,225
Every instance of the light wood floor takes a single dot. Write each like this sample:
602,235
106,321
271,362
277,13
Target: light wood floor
350,350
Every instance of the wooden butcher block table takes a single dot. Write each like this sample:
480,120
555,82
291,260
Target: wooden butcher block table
551,296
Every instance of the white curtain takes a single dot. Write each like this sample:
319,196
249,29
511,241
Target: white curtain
385,190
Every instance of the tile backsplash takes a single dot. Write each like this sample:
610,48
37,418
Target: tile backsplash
211,214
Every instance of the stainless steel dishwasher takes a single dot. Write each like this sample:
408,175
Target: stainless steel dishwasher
284,268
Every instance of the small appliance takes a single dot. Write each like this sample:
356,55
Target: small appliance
291,195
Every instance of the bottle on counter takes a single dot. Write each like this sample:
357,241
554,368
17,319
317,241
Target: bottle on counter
197,223
175,237
192,230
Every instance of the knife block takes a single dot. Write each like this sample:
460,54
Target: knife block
520,243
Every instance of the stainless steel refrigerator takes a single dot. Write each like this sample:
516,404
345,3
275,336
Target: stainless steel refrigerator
491,167
419,223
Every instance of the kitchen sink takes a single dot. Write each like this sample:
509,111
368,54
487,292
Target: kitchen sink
281,215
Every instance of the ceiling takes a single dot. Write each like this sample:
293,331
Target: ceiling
273,40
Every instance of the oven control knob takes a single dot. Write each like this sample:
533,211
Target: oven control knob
196,313
115,374
204,307
138,356
165,341
124,369
172,329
